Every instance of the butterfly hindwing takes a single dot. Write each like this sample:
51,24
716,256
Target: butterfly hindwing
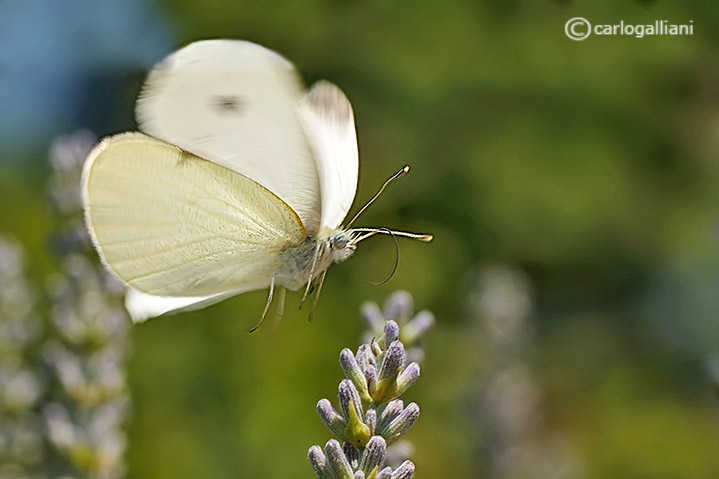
329,122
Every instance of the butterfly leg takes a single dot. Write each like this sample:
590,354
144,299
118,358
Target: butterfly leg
320,282
267,306
280,307
312,273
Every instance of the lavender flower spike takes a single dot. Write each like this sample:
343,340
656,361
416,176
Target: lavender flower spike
370,417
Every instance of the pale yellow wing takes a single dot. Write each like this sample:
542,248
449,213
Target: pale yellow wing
171,224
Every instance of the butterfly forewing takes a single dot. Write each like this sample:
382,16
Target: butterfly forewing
235,103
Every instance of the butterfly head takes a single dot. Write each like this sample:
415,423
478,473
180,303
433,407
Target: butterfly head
341,245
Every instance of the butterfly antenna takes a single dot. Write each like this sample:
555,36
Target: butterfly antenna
396,260
368,232
396,176
267,306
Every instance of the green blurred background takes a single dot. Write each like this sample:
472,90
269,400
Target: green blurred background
590,166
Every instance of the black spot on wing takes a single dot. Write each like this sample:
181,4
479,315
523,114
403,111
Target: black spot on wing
228,104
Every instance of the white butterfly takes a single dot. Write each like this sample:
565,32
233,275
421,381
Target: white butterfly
239,181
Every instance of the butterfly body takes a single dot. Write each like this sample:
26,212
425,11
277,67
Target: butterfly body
309,260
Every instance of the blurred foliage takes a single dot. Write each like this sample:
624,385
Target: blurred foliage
592,166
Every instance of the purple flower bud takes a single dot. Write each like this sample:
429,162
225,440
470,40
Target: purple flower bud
399,306
406,378
391,332
62,433
419,325
332,420
365,358
319,463
404,471
385,473
348,394
401,424
359,475
393,360
337,461
374,454
372,314
352,454
391,411
356,432
354,373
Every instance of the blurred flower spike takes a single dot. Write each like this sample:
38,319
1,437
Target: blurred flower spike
371,416
399,308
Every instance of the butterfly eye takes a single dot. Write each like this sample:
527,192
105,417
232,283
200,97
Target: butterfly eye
340,242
